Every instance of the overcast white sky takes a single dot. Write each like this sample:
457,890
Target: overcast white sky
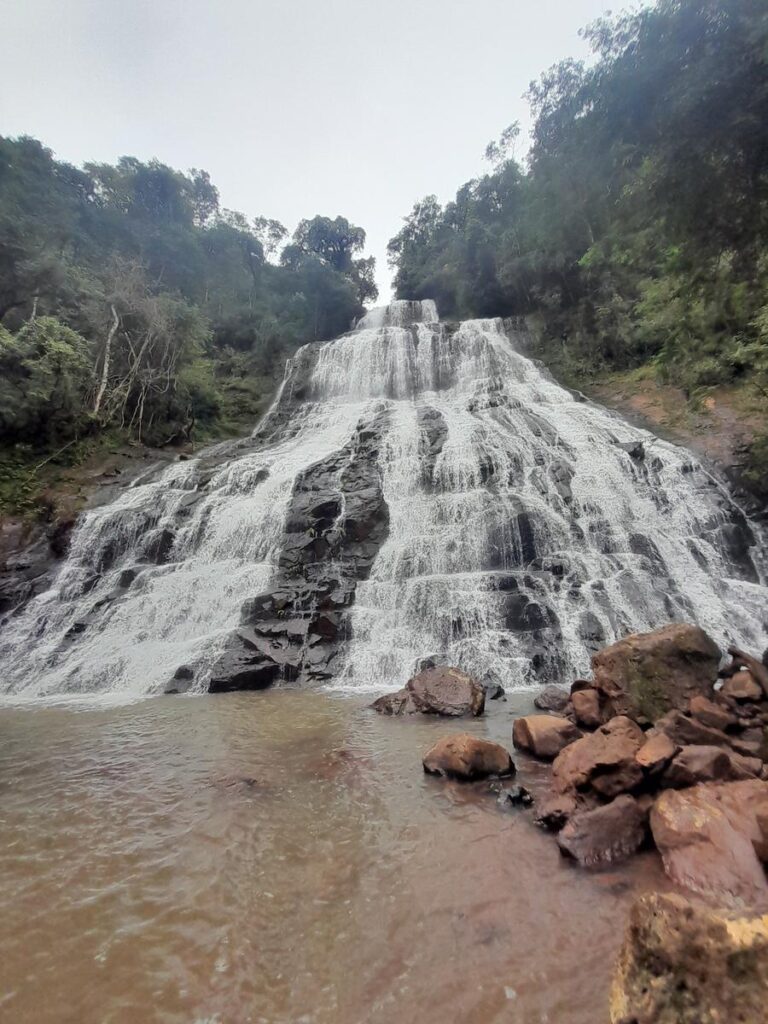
295,107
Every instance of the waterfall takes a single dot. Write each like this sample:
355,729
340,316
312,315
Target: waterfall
417,490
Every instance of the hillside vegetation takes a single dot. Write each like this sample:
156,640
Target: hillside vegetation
133,306
636,233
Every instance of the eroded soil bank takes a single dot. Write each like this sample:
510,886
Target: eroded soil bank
281,857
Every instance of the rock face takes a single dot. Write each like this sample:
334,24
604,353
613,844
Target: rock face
647,674
336,523
687,964
606,834
711,838
605,760
436,691
467,758
543,735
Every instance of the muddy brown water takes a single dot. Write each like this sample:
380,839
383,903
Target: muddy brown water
280,858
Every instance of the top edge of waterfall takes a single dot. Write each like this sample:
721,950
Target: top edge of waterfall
399,313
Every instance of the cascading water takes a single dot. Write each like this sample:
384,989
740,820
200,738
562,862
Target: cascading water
417,490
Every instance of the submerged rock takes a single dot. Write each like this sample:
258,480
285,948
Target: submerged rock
465,757
682,963
436,691
647,674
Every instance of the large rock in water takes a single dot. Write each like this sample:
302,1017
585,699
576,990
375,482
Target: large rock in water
712,838
606,834
436,691
544,735
647,674
682,963
604,760
466,757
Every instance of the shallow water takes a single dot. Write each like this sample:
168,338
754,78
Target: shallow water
280,857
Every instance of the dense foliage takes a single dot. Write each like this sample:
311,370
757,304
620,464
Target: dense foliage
637,231
130,300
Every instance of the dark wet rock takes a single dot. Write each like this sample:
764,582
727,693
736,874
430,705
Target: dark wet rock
436,691
604,760
433,431
711,838
686,963
551,698
158,546
553,810
516,796
126,578
591,631
634,449
646,674
543,736
336,523
604,835
465,757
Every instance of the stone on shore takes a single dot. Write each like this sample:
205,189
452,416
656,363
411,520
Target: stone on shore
683,963
544,735
604,760
466,757
711,838
436,691
656,753
647,674
605,834
742,687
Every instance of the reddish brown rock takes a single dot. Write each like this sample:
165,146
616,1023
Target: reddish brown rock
709,837
606,834
699,764
543,735
683,730
742,687
647,674
656,753
604,760
750,743
551,698
436,691
713,715
684,963
553,810
586,708
466,757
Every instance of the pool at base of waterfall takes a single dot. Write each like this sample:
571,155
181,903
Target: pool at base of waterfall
281,858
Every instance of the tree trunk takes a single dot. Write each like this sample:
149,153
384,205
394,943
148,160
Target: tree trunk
105,368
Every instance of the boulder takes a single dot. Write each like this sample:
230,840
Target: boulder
436,691
604,760
684,963
713,715
701,764
551,698
543,735
683,730
605,834
465,757
742,687
656,753
647,674
586,708
709,837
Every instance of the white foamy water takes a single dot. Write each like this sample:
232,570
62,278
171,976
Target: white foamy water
522,534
